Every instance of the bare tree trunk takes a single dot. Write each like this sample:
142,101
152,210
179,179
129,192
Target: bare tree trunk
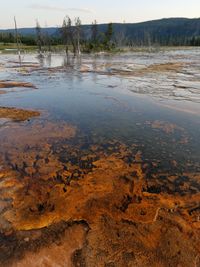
17,40
67,50
40,38
74,48
78,46
77,35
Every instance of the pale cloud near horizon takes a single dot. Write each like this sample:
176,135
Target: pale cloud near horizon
131,11
61,9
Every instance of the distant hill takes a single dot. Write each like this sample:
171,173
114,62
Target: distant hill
31,31
164,31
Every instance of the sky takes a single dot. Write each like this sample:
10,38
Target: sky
51,12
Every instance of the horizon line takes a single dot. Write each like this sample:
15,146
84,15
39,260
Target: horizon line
104,23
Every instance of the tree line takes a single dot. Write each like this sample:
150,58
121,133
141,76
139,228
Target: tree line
71,35
76,38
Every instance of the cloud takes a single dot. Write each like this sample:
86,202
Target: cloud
60,9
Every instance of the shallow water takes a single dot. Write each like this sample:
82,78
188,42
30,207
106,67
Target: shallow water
154,113
116,107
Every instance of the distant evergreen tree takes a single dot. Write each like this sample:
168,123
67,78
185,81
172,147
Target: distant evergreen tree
108,36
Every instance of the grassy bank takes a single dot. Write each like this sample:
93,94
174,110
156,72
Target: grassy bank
12,47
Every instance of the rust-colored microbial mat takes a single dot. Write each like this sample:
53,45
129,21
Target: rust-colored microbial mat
95,208
97,169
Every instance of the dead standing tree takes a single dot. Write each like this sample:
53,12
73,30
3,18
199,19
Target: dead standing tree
120,37
47,40
71,35
65,32
147,39
17,41
39,38
77,31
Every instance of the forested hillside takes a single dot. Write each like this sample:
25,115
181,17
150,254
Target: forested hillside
172,31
